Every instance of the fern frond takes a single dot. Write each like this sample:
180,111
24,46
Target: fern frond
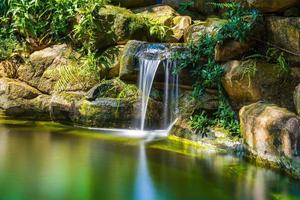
228,5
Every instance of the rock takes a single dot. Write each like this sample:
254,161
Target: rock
14,89
249,81
272,5
128,61
133,3
169,17
188,105
209,26
21,100
63,106
292,12
100,108
117,25
112,88
284,32
270,132
8,69
268,6
160,13
33,71
181,24
110,61
297,99
107,112
231,50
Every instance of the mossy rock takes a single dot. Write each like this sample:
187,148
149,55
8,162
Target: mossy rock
37,69
133,3
159,13
114,88
20,100
110,61
116,25
128,61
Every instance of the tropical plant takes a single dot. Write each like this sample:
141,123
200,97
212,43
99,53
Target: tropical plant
200,57
183,6
157,29
277,56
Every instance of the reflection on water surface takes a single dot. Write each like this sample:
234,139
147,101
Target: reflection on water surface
52,162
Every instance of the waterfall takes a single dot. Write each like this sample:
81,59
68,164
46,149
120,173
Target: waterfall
150,59
171,93
148,70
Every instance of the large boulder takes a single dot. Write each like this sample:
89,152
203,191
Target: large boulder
21,100
168,17
210,26
128,61
117,25
284,32
272,5
268,6
60,68
110,104
35,72
161,13
133,3
249,81
270,132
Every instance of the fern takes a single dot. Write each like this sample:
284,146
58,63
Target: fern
200,58
228,5
249,70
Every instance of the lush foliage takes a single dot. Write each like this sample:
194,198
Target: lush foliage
200,58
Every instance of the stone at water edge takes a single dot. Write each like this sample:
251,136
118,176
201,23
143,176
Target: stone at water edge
21,100
270,132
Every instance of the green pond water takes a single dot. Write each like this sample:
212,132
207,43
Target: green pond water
41,161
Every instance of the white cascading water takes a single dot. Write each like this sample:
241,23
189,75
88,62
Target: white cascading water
171,93
150,59
148,68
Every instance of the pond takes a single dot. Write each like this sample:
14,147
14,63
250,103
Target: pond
49,161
